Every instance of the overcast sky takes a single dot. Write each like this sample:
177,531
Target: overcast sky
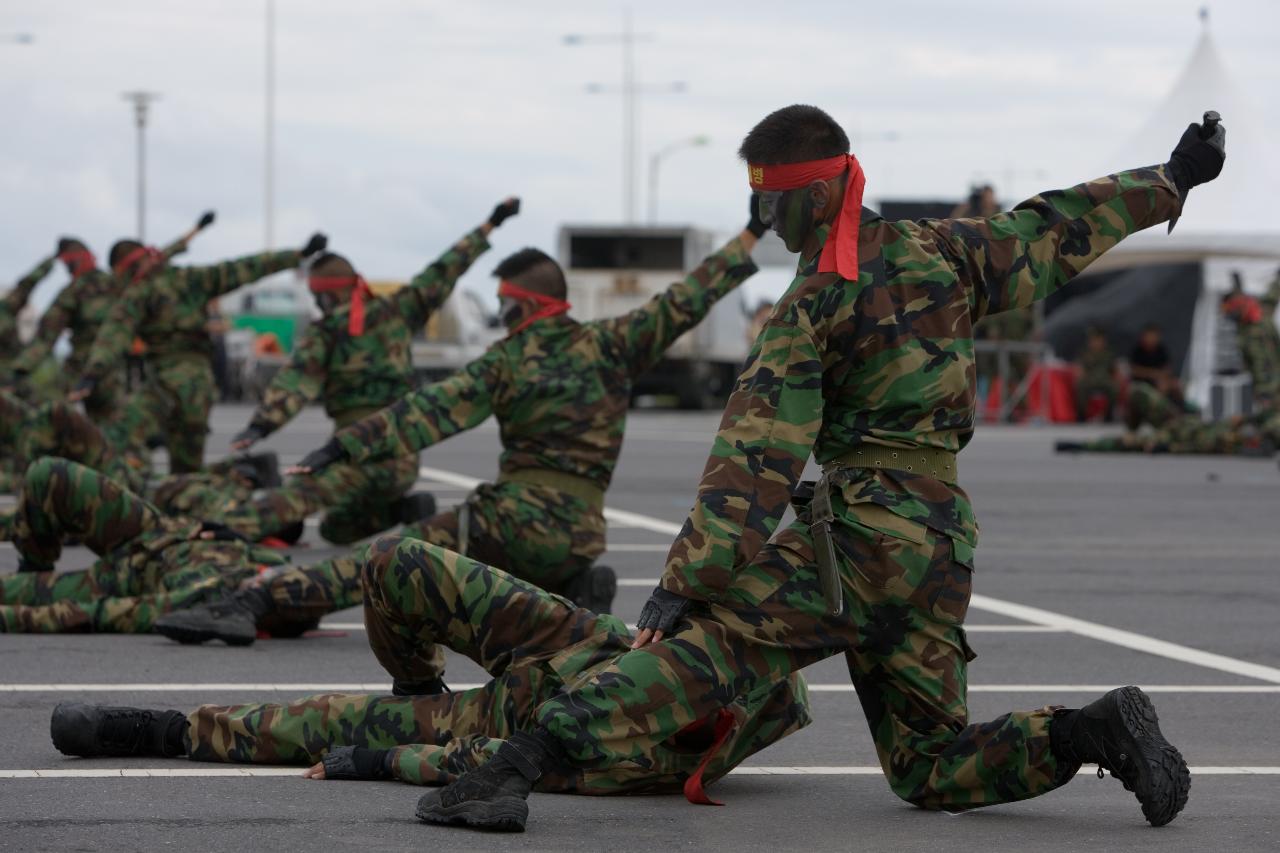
400,123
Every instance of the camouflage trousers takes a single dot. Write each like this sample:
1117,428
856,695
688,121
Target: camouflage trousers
537,534
1190,434
361,501
145,569
901,634
175,402
532,644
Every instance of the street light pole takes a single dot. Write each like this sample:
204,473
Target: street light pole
268,172
141,102
656,160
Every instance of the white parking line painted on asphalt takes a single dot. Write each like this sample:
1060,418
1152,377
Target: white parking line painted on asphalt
1034,615
383,687
756,770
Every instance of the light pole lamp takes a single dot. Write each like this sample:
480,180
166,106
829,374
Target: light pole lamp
655,161
141,103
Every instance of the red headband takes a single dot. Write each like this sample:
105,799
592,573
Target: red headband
146,259
79,261
550,306
840,254
359,292
1244,308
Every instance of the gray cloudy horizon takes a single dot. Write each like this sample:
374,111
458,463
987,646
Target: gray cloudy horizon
400,124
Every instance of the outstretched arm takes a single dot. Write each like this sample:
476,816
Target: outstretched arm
219,279
55,319
15,300
291,388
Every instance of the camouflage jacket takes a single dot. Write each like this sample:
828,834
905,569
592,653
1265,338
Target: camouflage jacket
11,305
81,308
168,558
1260,349
559,388
168,310
355,374
887,360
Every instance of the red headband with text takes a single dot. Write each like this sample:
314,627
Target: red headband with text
79,261
359,292
840,254
1244,308
549,306
142,260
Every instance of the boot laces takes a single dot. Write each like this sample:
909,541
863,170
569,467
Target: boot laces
124,728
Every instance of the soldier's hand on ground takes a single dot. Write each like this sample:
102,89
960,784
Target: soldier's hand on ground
83,389
212,531
353,762
247,437
1199,154
506,209
317,244
320,458
206,219
659,616
316,771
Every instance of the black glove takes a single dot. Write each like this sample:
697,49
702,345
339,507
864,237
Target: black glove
221,533
85,386
317,244
357,762
323,456
252,434
504,211
206,219
662,611
756,224
1199,154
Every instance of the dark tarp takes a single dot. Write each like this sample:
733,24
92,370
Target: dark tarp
1121,303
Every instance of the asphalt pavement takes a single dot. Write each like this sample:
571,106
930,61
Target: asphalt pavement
1093,571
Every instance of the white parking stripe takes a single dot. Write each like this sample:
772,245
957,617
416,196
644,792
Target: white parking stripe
384,687
203,772
1034,615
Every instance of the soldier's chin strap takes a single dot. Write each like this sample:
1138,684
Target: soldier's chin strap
840,254
359,293
548,306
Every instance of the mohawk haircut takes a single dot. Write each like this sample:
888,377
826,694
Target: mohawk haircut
536,270
121,249
792,135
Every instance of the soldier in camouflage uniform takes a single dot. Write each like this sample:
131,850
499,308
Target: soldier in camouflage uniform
11,305
560,391
80,309
149,562
1096,374
166,309
356,359
1259,341
533,644
867,362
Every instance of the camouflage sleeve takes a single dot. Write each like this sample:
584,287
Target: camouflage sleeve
1014,259
757,458
294,385
427,416
1271,299
177,247
117,330
16,299
648,331
431,287
55,319
225,277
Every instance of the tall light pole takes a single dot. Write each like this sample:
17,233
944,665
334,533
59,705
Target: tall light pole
630,89
269,154
141,102
656,160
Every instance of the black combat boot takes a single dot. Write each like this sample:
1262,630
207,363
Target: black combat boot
1120,733
233,619
89,730
494,796
1068,446
593,589
290,534
261,469
414,507
429,687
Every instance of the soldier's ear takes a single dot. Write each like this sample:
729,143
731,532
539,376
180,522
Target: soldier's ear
819,194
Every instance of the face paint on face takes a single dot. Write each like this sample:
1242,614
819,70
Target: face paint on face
510,310
792,217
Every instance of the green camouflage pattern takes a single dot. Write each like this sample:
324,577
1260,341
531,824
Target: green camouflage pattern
149,563
885,361
1260,350
1158,425
559,389
532,644
11,305
168,311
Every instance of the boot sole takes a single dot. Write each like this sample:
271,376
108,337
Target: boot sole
1162,787
505,814
196,636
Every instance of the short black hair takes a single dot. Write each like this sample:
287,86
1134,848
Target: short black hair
332,264
71,244
121,249
792,135
536,270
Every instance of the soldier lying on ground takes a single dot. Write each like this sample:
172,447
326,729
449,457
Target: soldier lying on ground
559,390
867,362
532,644
356,359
